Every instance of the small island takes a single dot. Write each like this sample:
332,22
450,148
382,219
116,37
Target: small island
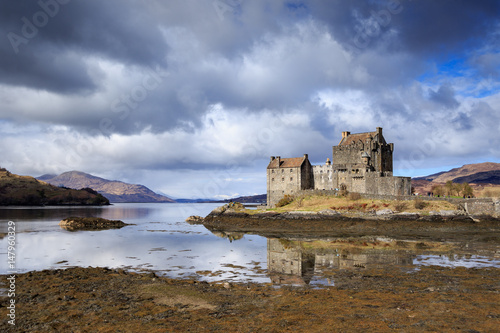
354,215
90,223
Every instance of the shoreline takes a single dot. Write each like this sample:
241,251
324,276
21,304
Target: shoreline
100,299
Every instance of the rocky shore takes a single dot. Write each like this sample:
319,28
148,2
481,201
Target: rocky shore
432,298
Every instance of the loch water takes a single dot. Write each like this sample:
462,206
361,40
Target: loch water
158,239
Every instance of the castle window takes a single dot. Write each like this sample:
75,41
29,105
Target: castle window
272,179
291,178
282,170
283,179
291,170
272,171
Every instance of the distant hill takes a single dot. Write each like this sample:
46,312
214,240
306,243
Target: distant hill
480,174
487,177
115,191
466,171
260,198
28,191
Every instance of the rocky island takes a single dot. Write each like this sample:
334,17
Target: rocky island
90,223
317,215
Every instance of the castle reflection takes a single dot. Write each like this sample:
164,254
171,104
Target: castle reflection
292,262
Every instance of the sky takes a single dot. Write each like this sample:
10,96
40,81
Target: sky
192,97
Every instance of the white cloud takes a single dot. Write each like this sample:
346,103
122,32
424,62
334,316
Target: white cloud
204,94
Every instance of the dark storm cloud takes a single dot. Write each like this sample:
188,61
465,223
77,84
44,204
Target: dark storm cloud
424,27
44,43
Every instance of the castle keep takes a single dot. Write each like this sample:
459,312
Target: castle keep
360,163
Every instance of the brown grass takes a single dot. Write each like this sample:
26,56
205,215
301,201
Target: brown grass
488,192
321,202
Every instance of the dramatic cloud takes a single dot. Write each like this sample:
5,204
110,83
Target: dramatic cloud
192,97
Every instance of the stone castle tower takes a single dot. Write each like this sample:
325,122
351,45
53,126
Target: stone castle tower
360,163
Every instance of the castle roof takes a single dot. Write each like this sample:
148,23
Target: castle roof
349,139
294,162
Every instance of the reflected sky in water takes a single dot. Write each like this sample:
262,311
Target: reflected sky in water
160,240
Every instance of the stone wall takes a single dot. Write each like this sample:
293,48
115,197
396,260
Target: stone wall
387,184
480,207
281,182
322,177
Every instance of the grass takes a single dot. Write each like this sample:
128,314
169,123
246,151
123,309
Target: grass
488,192
317,203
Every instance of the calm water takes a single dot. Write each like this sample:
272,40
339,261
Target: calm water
161,241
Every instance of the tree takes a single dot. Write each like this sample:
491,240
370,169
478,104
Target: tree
467,190
457,188
449,188
438,190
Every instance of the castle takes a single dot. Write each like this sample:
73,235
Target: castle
360,163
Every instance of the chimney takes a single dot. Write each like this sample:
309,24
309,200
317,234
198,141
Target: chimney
306,156
328,161
345,134
272,158
379,131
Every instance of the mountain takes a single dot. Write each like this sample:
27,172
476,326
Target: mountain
478,175
487,177
28,191
464,171
115,191
260,198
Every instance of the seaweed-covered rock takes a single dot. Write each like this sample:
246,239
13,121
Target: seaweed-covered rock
195,219
90,223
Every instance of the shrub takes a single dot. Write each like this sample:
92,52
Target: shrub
287,199
420,204
400,205
354,196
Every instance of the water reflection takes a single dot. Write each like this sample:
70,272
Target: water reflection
314,262
160,240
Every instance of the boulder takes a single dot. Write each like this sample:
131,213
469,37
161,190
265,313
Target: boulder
451,212
195,219
328,212
386,211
